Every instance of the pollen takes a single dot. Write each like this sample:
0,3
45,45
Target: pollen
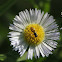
34,34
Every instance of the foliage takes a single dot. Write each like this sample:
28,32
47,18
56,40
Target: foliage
8,10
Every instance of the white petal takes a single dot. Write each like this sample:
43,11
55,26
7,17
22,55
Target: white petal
48,46
35,14
44,19
13,38
28,16
16,48
31,12
35,55
53,38
17,17
19,25
51,27
14,34
32,15
61,28
36,11
37,51
41,50
18,20
12,27
52,31
30,53
46,50
25,48
21,15
52,35
51,43
22,48
49,21
55,34
15,42
39,16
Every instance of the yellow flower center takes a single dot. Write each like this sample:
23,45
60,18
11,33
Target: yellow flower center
34,34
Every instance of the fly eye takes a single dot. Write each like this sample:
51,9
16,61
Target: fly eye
32,29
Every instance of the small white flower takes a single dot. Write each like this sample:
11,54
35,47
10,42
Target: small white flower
61,28
35,31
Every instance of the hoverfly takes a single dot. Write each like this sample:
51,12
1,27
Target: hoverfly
33,30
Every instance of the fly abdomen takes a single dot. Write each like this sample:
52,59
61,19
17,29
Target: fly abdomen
35,34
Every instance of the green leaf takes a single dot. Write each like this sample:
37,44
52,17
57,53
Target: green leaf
22,58
47,7
2,57
3,33
6,6
11,56
10,16
34,3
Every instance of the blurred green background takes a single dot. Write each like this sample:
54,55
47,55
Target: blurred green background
8,10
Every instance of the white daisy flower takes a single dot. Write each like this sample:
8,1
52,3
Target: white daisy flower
34,31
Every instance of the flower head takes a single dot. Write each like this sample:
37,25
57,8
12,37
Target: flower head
35,31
